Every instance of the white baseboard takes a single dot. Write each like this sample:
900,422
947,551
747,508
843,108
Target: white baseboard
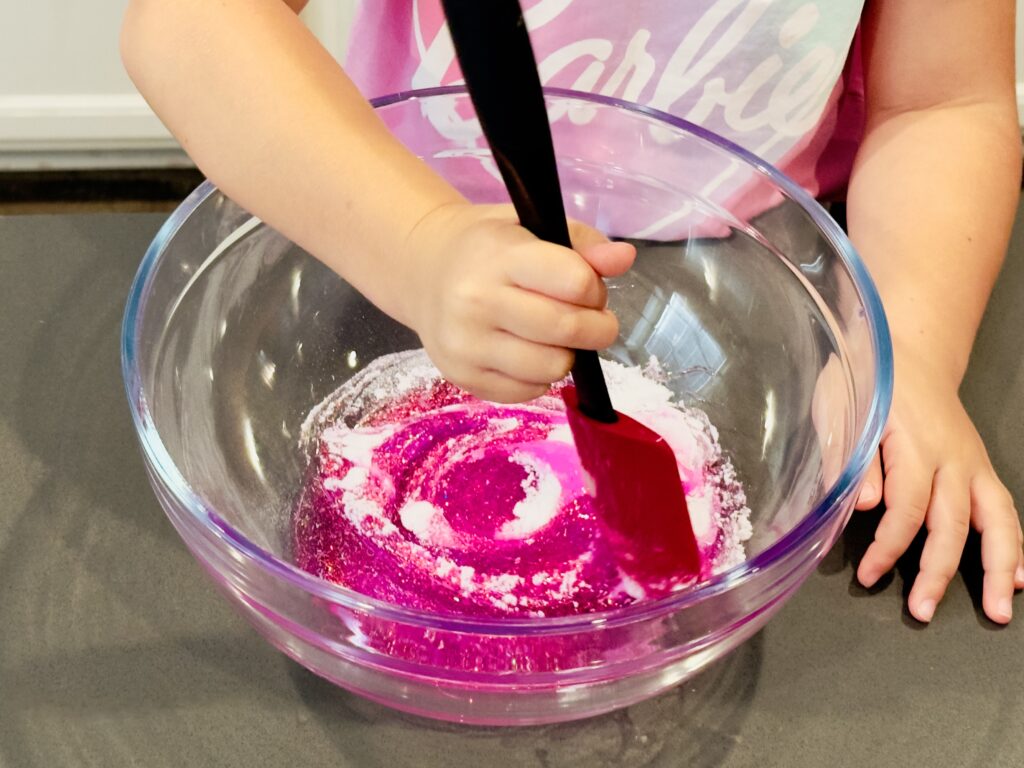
83,130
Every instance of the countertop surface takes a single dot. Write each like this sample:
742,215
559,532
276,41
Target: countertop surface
115,650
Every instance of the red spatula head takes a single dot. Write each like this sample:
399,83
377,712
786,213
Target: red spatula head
638,492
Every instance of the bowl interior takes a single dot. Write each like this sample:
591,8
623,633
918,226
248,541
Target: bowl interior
742,290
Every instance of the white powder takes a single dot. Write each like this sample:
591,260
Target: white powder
466,574
355,479
561,434
428,524
568,584
716,503
632,392
701,509
416,517
502,583
541,503
632,588
503,425
444,566
357,446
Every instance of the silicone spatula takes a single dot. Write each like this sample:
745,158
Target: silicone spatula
635,475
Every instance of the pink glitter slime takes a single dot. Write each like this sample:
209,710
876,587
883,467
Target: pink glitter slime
425,497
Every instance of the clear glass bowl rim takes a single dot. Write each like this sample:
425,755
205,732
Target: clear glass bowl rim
791,542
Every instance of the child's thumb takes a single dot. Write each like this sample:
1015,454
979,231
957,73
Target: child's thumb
584,236
606,258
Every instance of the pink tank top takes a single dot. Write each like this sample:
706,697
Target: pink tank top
781,78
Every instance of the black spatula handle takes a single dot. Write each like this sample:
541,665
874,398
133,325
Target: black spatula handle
494,52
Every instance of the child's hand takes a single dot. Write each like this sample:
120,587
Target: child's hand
937,473
499,310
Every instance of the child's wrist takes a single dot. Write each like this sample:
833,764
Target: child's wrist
419,259
920,354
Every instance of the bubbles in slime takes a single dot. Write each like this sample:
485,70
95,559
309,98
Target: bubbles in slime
425,497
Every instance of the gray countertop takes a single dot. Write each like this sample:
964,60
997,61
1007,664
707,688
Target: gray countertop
115,650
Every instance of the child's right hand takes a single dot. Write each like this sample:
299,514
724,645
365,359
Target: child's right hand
498,310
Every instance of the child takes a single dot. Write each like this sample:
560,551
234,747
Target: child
930,158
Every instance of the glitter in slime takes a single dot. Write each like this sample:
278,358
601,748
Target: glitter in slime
422,496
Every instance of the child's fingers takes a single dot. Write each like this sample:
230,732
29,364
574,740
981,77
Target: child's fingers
871,491
996,520
546,321
584,236
908,487
523,360
1000,562
559,273
948,524
609,259
496,387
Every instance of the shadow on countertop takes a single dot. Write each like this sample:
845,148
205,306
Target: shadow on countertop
696,724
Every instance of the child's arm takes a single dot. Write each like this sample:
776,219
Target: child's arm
931,204
270,117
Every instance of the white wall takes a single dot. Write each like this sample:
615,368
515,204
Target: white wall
65,100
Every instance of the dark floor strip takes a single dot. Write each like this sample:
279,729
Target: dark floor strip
136,185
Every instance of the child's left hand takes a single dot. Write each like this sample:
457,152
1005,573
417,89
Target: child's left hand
938,474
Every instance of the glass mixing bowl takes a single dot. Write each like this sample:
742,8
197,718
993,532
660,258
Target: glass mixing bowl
744,288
